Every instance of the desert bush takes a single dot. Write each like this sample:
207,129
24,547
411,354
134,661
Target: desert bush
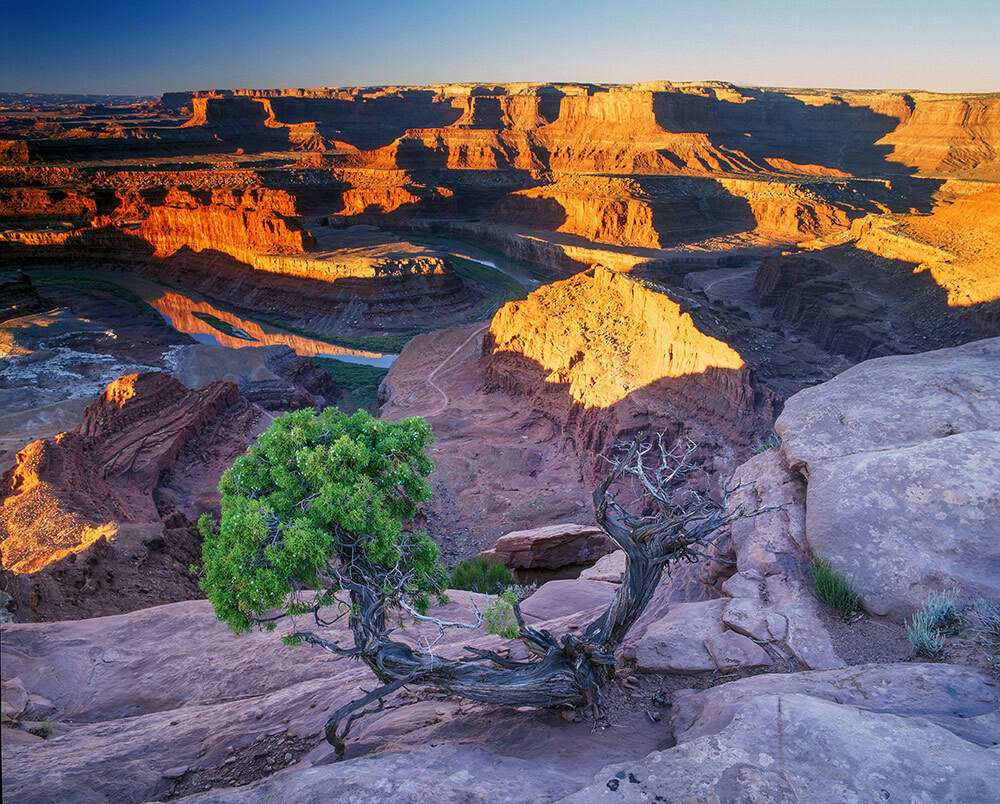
942,608
925,638
43,729
499,617
834,588
479,575
925,627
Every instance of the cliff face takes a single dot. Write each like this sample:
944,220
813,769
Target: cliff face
956,244
653,128
241,224
605,356
137,470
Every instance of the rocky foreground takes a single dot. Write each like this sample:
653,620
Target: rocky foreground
736,685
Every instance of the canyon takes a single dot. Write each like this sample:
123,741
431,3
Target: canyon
803,284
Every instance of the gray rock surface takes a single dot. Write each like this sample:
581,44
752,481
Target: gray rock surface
797,748
902,458
446,774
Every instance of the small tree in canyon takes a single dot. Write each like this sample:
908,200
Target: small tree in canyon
312,525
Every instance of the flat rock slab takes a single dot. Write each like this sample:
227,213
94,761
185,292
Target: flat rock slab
796,748
964,700
911,521
445,774
893,402
560,598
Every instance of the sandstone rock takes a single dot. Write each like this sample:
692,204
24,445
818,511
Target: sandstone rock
902,491
676,644
550,547
559,598
18,296
610,568
893,402
455,773
793,747
911,521
960,699
119,493
730,651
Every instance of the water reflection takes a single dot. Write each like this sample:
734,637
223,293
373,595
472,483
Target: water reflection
188,314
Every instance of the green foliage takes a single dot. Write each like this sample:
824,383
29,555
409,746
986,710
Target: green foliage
359,380
43,729
925,638
499,617
770,442
499,287
481,576
925,627
315,489
835,589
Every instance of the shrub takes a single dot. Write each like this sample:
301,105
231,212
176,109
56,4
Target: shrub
43,729
942,608
924,629
835,589
925,638
770,442
319,503
479,575
499,617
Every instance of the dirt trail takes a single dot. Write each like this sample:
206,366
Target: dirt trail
430,377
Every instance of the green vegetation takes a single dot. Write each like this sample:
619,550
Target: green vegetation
925,629
479,575
360,381
498,286
384,344
318,505
770,442
74,279
499,617
223,326
43,729
835,589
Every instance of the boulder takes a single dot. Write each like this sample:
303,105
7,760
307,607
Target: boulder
610,568
560,598
902,459
550,547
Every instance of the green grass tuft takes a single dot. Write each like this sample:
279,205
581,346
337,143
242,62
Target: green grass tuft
479,575
925,629
835,589
925,638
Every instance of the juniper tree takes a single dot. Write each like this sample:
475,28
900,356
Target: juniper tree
313,524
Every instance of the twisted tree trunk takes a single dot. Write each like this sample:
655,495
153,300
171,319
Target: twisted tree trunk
569,672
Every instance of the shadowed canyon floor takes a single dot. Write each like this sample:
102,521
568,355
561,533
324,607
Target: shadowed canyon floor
804,282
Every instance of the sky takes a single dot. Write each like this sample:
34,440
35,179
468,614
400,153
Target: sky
151,46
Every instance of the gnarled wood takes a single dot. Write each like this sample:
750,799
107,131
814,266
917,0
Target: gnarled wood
568,672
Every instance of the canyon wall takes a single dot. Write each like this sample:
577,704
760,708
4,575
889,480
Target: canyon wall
606,356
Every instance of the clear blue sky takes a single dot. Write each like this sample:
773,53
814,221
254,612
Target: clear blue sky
149,46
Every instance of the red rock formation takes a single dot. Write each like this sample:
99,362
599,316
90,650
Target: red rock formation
606,356
69,499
